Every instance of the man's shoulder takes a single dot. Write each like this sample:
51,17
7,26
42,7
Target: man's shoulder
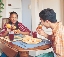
61,27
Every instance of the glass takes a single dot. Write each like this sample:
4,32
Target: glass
11,35
34,34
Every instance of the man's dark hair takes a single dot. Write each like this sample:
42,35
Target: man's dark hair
48,14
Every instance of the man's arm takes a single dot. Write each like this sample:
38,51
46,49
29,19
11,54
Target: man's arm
48,36
42,33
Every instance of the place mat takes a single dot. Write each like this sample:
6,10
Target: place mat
17,37
24,45
20,35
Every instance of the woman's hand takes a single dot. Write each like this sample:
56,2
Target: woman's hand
13,27
17,31
8,29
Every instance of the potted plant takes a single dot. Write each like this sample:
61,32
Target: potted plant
1,7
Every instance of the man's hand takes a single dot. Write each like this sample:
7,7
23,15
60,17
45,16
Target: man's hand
42,33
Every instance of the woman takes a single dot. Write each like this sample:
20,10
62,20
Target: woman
14,21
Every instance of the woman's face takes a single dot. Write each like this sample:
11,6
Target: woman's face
13,18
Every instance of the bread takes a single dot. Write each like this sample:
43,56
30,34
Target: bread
8,26
39,27
31,40
16,31
16,37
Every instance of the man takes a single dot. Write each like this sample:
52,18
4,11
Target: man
48,19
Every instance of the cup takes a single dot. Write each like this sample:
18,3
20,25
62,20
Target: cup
11,35
34,34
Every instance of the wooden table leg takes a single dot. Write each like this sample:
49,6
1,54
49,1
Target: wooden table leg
24,53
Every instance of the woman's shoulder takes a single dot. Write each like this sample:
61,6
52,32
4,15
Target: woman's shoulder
19,23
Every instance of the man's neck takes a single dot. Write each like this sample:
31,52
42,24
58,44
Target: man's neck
53,25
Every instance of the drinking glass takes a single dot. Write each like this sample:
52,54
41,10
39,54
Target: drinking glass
11,35
34,34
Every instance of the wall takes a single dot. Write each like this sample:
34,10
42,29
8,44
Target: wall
53,4
43,4
26,13
62,10
35,13
38,5
4,10
3,13
17,7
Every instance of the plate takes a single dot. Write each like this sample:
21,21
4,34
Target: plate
16,36
31,40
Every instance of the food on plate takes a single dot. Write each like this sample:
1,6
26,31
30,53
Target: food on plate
16,37
10,26
14,27
31,40
16,31
6,37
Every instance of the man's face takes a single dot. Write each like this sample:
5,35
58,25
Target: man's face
45,23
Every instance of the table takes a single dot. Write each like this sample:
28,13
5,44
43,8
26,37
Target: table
11,50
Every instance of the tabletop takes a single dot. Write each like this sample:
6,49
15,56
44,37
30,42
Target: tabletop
6,45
